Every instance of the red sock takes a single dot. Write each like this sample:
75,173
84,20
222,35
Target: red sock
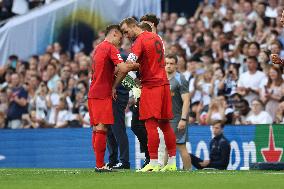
170,137
100,148
153,137
93,140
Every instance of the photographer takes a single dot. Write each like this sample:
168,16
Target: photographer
228,85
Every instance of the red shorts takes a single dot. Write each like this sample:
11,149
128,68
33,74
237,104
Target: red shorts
156,102
100,111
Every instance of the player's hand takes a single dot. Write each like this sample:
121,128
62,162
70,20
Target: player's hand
205,163
181,125
114,95
276,59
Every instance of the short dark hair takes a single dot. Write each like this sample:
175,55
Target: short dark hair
172,56
35,57
145,27
219,122
259,101
150,18
128,21
252,58
244,101
51,64
13,57
112,27
254,43
217,23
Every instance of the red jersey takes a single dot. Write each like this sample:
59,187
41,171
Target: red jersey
149,52
104,57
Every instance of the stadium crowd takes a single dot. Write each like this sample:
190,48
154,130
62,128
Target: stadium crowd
223,51
10,8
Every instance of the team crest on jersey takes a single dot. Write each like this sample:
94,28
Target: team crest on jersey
132,57
119,57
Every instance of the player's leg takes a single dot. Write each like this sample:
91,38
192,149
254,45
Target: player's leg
90,105
153,144
195,161
170,140
101,118
161,151
164,124
119,131
93,138
138,128
184,156
100,144
141,134
112,148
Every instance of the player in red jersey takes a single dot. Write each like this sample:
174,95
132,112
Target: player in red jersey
105,57
275,57
155,102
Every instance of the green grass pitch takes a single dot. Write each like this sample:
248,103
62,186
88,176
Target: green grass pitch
88,178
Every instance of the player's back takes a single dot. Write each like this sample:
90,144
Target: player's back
152,60
103,71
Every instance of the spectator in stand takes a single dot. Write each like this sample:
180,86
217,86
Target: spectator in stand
53,100
249,83
206,87
241,113
273,91
216,112
258,115
228,85
17,96
62,115
3,102
41,102
280,112
52,75
2,120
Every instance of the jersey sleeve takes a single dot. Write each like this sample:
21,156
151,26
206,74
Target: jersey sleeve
136,50
183,85
115,56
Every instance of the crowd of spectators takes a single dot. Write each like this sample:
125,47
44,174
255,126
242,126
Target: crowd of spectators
223,51
10,8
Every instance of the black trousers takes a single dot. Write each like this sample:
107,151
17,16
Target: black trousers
117,137
139,129
195,162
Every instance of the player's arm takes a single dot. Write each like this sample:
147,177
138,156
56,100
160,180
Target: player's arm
130,64
122,70
186,101
185,108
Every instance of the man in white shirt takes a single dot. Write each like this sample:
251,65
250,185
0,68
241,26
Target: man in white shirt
250,14
271,10
258,115
249,83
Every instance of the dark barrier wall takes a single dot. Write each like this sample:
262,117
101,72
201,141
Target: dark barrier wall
186,7
71,148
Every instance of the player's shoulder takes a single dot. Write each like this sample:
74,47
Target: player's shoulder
180,78
147,34
106,46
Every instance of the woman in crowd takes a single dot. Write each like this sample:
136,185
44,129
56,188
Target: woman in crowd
273,91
